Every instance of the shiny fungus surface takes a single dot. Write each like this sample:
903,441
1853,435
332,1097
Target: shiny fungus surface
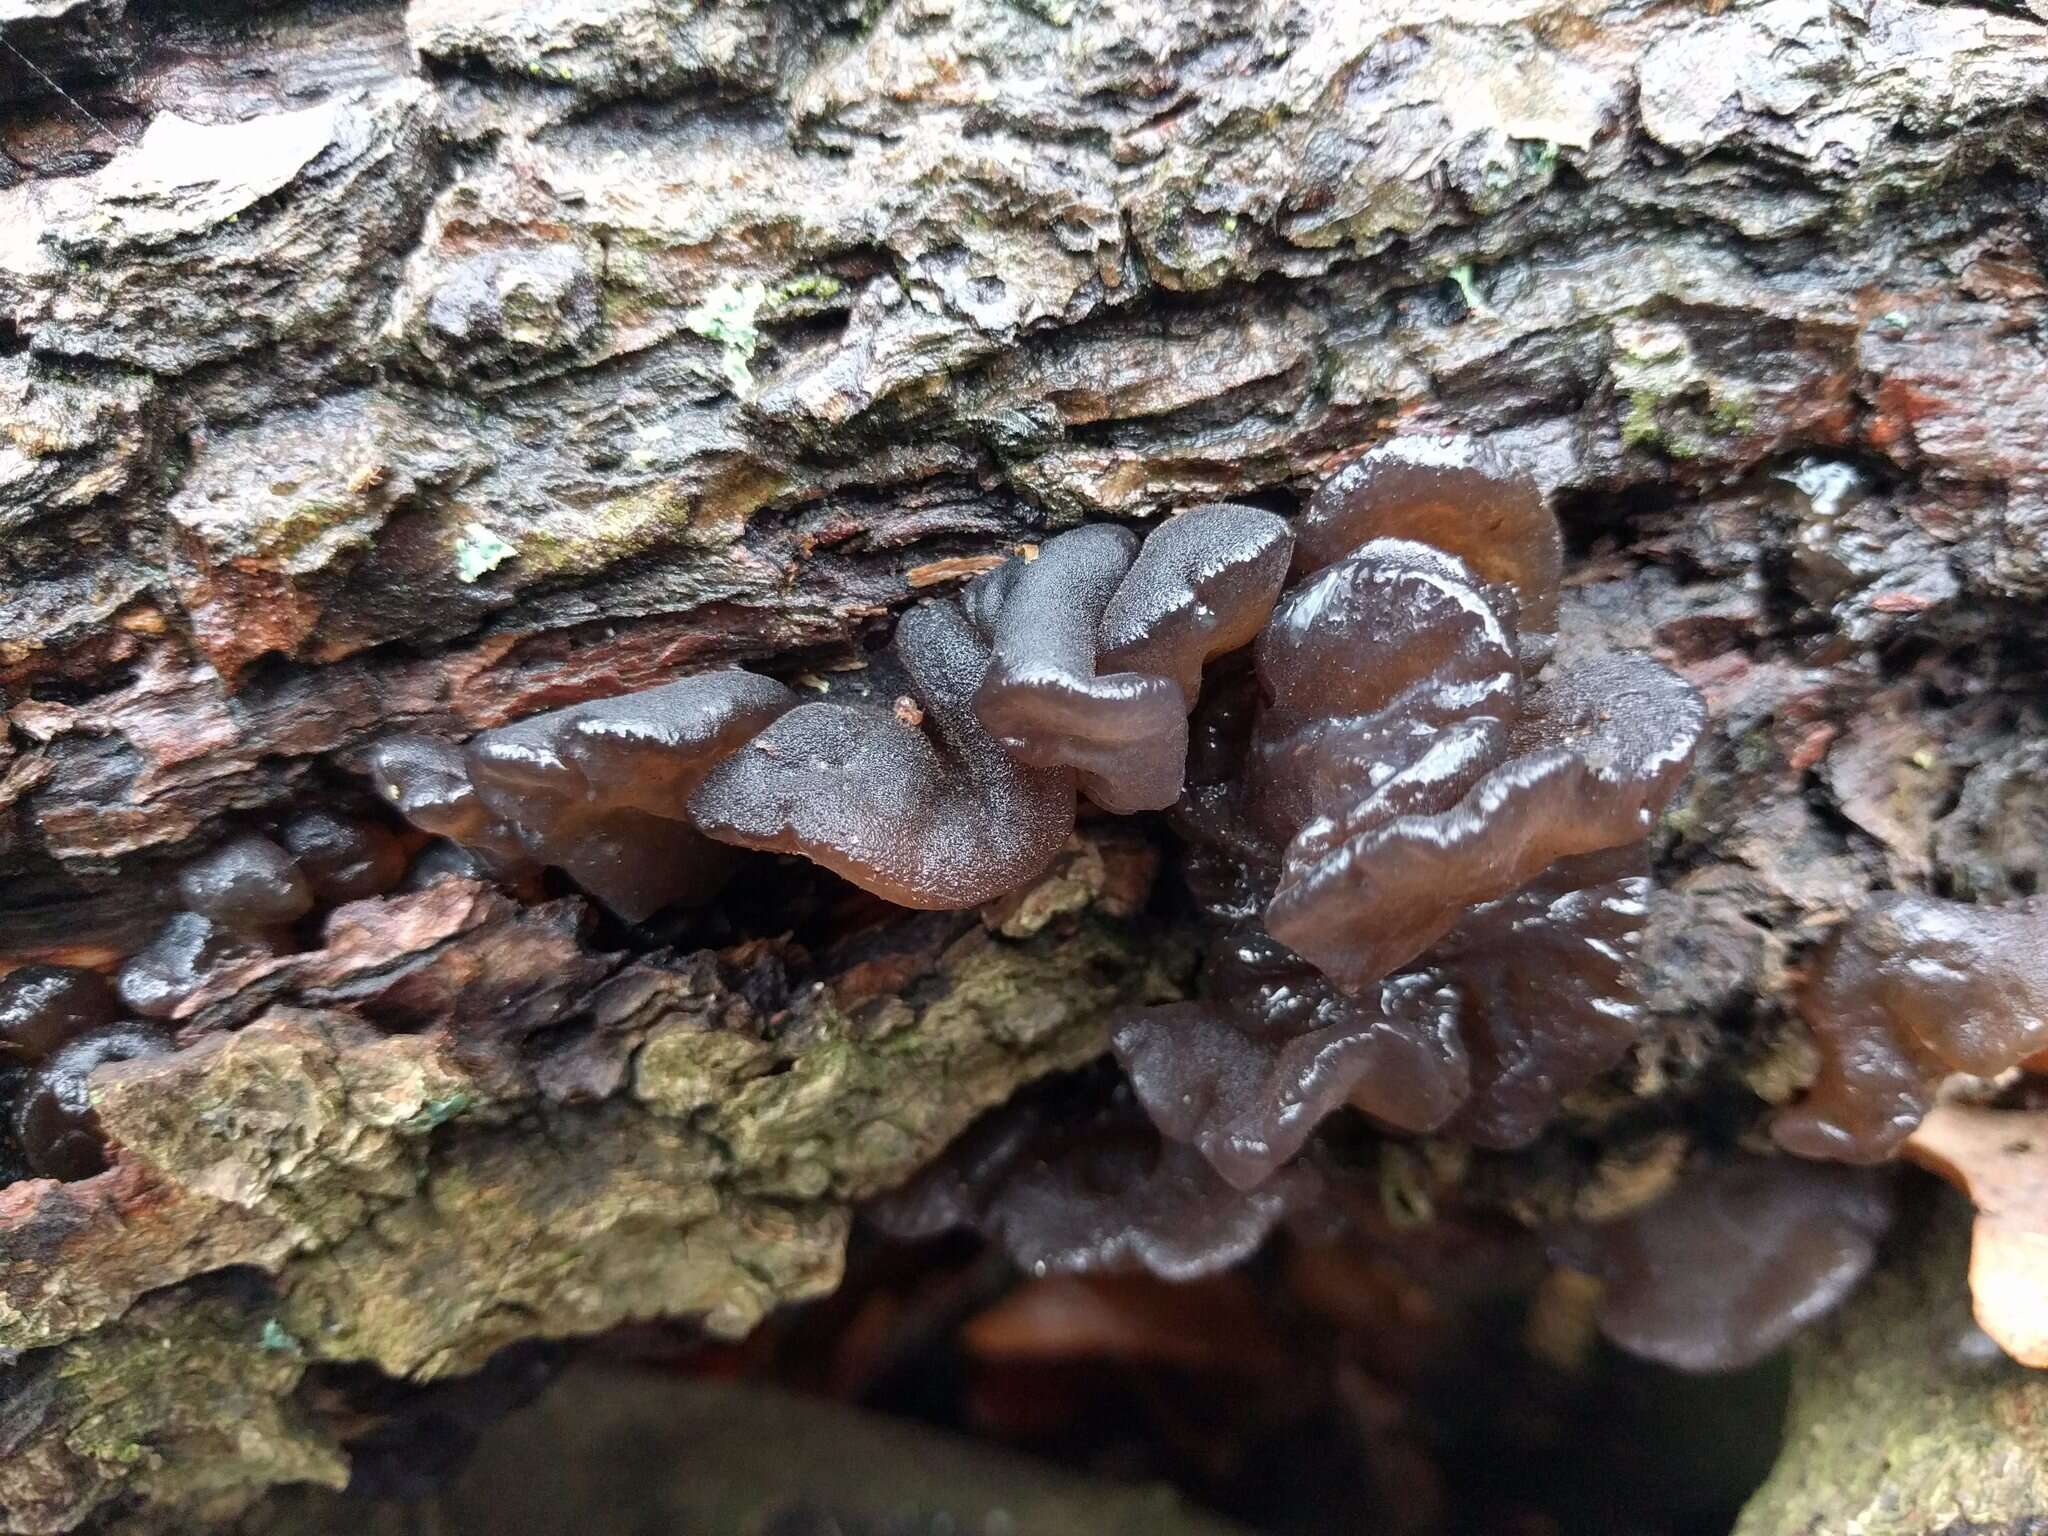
1734,1261
343,858
1397,801
43,1006
55,1122
1908,990
1548,991
1593,755
930,815
1249,1100
186,953
1041,697
1203,584
248,882
426,780
1070,1179
599,789
1452,492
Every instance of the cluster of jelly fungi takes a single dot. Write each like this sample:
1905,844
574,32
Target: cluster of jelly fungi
1414,826
1432,832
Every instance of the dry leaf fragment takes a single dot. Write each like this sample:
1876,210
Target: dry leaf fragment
1999,1158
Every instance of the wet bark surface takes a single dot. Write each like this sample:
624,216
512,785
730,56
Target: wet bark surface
368,367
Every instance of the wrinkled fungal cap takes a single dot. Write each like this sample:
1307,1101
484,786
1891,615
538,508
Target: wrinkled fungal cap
643,751
42,1006
55,1122
1908,990
1594,755
343,858
599,789
1114,1206
1069,1179
1389,679
427,782
1041,697
1451,492
936,816
186,953
649,750
1526,1001
1204,583
1247,1100
1549,991
1734,1261
1358,637
248,882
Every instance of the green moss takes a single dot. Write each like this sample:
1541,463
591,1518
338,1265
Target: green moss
1895,1427
1732,412
1674,404
858,1093
1640,427
809,290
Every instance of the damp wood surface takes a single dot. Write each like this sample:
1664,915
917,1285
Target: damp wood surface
369,368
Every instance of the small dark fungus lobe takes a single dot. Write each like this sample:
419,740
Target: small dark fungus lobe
441,860
1246,1074
933,815
1203,585
1911,989
43,1006
247,883
55,1122
343,858
1734,1261
426,781
187,952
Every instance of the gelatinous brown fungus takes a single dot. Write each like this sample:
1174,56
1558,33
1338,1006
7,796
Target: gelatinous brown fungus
1417,837
1420,842
1907,991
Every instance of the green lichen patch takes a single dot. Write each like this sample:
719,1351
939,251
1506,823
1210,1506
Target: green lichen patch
478,552
727,316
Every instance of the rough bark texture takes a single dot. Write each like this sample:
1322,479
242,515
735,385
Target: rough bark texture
369,367
1905,1418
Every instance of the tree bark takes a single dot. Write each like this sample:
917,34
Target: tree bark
369,367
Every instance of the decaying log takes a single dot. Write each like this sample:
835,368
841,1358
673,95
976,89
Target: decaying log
381,366
577,1141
